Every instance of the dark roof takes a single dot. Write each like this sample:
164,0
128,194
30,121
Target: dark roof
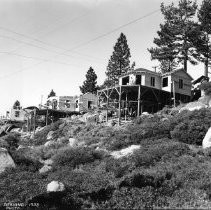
56,112
200,79
31,107
172,72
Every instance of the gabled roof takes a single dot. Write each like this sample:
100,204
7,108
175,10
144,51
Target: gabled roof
175,71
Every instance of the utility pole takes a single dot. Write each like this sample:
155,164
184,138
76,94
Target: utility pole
155,67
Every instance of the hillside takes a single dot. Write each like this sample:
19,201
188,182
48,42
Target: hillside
156,161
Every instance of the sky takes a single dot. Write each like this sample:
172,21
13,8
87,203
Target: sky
50,44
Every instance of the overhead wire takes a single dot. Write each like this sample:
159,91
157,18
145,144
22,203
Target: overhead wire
100,36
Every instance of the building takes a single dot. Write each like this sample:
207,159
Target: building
17,114
81,103
144,90
177,81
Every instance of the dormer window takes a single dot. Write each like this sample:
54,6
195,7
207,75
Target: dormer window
153,81
165,81
180,84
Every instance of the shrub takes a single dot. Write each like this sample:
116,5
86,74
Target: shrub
164,149
130,198
119,167
40,137
191,127
25,161
17,185
10,141
73,156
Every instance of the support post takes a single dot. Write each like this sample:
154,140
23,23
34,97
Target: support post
139,94
46,118
120,93
174,93
126,109
27,123
34,120
107,106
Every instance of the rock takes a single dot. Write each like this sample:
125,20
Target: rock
193,106
45,169
124,152
205,100
206,143
48,143
55,186
72,142
92,119
48,162
164,119
73,117
5,160
32,136
145,113
50,135
111,123
38,129
21,147
102,118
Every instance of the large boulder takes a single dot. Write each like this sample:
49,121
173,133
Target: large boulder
55,186
194,106
5,160
207,139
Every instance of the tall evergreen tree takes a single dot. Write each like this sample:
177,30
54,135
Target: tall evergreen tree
90,84
52,93
16,104
119,63
175,36
203,39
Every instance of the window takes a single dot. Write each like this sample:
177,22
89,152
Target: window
138,79
90,104
76,104
125,80
67,103
180,83
165,82
153,81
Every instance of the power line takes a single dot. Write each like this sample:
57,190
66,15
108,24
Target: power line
100,36
43,48
36,58
112,31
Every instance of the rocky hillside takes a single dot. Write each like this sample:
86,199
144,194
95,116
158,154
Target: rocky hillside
156,161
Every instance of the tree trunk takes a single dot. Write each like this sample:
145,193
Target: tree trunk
186,63
206,67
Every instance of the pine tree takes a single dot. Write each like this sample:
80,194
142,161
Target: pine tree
89,85
202,40
167,66
16,104
52,93
175,36
119,62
